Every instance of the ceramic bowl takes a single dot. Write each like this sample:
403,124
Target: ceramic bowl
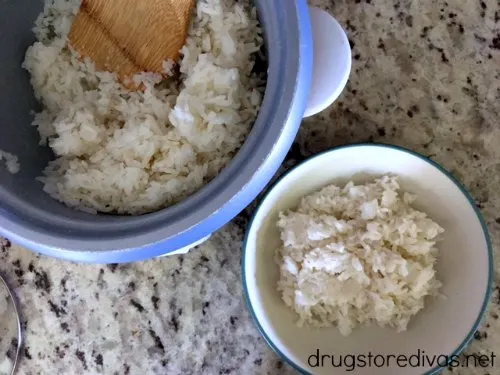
439,332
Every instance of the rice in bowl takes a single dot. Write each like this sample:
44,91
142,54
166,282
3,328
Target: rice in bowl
357,255
135,152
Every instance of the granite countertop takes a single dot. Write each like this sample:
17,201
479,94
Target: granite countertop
425,76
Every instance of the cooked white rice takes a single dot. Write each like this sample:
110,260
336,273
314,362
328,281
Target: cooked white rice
136,152
11,162
356,256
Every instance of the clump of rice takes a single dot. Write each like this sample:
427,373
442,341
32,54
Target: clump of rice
356,256
136,152
11,162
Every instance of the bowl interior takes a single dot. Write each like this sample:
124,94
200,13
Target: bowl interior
464,266
16,135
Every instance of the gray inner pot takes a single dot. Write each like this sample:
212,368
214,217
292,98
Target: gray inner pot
29,216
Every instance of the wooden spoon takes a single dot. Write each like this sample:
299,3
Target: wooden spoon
131,36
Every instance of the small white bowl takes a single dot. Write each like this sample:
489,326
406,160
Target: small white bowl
443,328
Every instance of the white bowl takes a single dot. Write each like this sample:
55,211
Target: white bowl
443,328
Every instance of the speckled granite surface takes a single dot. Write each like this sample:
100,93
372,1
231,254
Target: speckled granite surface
425,75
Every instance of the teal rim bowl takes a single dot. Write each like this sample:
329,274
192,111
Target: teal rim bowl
355,148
